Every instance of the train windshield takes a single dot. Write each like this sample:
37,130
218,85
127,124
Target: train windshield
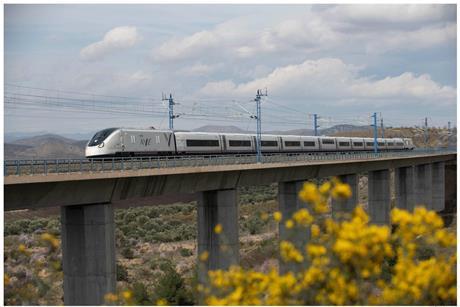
100,136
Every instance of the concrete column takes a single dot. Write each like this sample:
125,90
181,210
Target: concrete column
88,253
450,208
218,207
404,188
379,197
423,185
348,205
289,203
438,186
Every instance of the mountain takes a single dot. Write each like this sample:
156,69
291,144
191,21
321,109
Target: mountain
48,146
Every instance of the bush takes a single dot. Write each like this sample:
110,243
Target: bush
140,295
127,252
348,261
171,287
122,273
185,252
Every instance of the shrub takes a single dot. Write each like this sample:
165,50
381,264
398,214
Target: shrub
342,262
171,287
185,252
127,252
122,273
140,294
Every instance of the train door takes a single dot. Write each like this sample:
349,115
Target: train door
224,143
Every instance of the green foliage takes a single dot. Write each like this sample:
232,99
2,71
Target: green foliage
256,194
140,295
28,226
127,252
122,273
254,224
185,252
171,287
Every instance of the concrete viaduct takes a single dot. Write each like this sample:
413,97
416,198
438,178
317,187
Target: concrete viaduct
87,214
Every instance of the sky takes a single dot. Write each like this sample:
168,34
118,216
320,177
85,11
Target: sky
83,68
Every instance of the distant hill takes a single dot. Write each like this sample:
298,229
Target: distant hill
48,146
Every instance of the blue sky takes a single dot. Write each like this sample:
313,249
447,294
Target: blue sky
342,62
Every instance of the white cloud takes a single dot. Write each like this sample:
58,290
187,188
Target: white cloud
373,28
390,14
332,79
116,39
199,69
412,40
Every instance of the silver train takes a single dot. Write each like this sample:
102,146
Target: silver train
118,142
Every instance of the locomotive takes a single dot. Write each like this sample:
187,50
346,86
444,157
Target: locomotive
119,142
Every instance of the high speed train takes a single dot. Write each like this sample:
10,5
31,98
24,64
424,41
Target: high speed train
118,142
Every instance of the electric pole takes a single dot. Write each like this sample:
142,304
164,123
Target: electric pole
259,124
171,116
375,132
382,128
315,123
426,132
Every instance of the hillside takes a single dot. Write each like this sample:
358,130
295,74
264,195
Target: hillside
48,146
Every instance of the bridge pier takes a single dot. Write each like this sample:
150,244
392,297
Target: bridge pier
404,188
218,207
348,205
379,196
450,178
289,203
423,185
88,253
438,186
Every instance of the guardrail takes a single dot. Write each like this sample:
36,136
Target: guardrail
58,166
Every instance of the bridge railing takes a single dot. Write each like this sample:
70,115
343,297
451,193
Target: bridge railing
58,166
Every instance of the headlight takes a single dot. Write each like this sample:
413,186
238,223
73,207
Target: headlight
101,145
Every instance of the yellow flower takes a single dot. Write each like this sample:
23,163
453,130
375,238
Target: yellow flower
309,193
6,279
22,248
277,216
315,230
162,302
341,191
218,229
127,294
302,217
264,216
110,297
325,188
204,256
289,224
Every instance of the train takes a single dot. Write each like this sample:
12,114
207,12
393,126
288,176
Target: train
122,142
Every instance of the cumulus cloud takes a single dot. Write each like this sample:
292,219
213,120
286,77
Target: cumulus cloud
116,39
377,28
332,79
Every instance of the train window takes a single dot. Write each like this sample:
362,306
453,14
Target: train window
381,144
400,144
100,136
358,144
390,143
239,143
309,143
344,143
328,141
202,143
291,143
269,143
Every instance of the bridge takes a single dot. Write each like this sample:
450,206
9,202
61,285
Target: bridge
87,196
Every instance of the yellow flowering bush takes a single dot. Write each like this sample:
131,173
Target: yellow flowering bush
347,261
